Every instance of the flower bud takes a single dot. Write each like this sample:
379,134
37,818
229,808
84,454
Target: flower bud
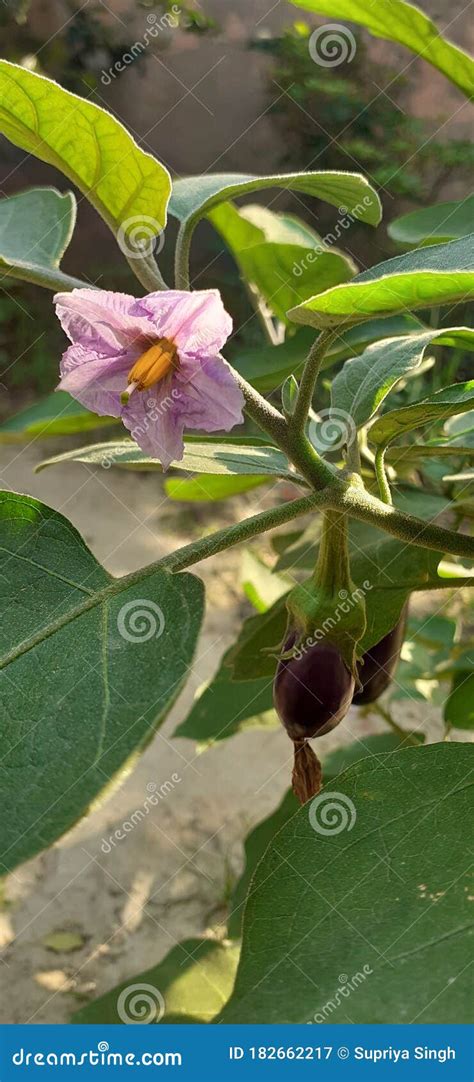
313,690
378,665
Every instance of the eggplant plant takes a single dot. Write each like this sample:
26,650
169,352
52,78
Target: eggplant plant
371,869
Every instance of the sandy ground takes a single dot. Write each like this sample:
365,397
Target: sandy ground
171,877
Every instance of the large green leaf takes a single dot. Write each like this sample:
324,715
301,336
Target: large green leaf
90,666
209,456
430,225
260,837
56,415
398,21
283,262
189,986
194,197
451,400
434,275
35,229
128,187
364,381
367,884
266,367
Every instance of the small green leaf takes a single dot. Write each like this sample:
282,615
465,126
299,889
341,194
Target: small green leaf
430,225
35,229
437,407
211,486
194,197
363,382
90,667
398,21
289,394
56,415
190,985
128,187
63,942
364,881
431,276
459,709
204,456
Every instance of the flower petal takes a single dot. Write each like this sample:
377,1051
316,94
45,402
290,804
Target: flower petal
94,380
101,319
197,322
154,422
211,397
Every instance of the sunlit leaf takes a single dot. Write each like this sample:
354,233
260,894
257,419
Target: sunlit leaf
426,277
128,187
398,21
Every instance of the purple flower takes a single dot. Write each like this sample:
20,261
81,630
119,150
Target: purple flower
154,361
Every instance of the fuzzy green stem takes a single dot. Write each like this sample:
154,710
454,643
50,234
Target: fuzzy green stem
182,257
333,568
49,279
146,270
382,479
358,502
296,445
242,531
308,380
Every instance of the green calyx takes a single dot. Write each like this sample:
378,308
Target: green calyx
328,607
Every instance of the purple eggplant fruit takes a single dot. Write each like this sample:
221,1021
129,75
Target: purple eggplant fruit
378,665
312,690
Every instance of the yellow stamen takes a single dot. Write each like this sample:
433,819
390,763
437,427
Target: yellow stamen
153,365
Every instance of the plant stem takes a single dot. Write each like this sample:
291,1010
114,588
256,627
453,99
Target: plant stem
145,268
295,444
234,535
332,567
50,279
182,254
362,505
308,380
382,479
